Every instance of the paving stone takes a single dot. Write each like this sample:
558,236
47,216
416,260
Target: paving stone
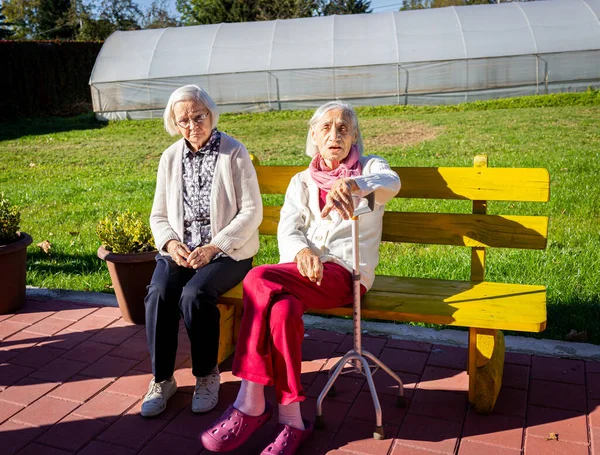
65,339
188,425
59,370
592,366
439,378
176,404
494,429
103,448
21,341
132,431
593,385
80,388
511,402
386,385
5,356
26,391
542,446
44,412
31,317
106,406
227,395
468,447
595,441
116,333
186,381
418,346
37,356
403,360
132,348
73,432
558,395
317,350
49,326
559,370
318,444
164,443
87,352
357,437
134,383
372,344
570,426
7,410
594,413
515,376
109,367
11,373
347,388
55,305
328,336
4,317
439,404
427,433
334,412
448,356
37,449
517,358
111,312
75,312
8,328
363,409
91,323
14,436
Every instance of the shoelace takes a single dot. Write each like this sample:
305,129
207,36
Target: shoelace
205,381
155,388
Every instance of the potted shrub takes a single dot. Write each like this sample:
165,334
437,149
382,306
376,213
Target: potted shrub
13,258
129,251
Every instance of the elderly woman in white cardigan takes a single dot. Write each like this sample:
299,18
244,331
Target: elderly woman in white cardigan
315,244
205,217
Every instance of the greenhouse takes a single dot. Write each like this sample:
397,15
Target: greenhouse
433,56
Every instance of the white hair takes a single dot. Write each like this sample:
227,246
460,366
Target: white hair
188,93
348,111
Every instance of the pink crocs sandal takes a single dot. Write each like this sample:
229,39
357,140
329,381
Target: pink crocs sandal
233,429
288,439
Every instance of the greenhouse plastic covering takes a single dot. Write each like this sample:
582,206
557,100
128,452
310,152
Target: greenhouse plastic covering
432,56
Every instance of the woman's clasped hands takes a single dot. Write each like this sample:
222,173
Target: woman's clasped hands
195,259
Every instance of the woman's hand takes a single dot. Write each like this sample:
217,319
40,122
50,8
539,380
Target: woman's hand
309,265
179,252
202,256
339,198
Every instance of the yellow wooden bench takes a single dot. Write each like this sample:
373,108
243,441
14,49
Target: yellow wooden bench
484,307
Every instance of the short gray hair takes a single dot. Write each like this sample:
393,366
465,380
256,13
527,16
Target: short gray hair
188,93
311,149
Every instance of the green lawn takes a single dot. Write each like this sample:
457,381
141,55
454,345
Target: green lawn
66,174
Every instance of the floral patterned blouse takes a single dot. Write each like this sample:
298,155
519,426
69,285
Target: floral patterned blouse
198,171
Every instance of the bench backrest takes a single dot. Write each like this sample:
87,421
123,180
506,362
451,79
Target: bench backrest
477,230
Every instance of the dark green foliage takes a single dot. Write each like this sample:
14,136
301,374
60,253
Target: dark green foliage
5,31
332,7
424,4
10,217
53,20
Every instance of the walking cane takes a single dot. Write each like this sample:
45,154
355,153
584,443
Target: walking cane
357,357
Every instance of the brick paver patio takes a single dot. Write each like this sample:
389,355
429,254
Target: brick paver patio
72,378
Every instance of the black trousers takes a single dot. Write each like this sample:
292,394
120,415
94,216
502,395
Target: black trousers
178,291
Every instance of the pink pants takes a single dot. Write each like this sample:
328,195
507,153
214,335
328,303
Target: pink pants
269,347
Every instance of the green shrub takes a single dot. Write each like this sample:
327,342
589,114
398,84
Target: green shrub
10,217
125,232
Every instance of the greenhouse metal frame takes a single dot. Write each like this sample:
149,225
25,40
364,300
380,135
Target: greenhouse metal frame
435,56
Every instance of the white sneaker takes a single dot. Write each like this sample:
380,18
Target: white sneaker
206,393
155,400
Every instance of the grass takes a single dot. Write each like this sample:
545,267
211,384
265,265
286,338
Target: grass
66,174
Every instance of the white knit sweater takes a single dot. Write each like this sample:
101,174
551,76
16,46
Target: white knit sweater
235,202
301,225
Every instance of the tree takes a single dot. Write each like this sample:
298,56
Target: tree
158,16
22,15
53,20
423,4
5,30
122,14
285,9
331,7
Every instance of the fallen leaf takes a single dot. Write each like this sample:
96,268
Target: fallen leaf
574,335
45,246
552,437
31,164
108,286
73,232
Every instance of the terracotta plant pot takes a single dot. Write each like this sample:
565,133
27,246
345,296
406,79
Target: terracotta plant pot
13,268
130,274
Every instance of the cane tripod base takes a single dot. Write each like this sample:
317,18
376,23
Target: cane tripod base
360,364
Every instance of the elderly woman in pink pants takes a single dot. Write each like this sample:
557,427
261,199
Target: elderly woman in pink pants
315,244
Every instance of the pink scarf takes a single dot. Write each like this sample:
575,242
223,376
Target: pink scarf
325,177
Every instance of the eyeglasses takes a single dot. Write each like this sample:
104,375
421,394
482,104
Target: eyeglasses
197,120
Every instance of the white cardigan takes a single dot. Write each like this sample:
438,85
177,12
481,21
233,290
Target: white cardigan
235,201
301,225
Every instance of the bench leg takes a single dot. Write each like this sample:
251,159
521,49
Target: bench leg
486,365
227,327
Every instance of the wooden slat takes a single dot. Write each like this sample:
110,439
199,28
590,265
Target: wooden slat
459,303
492,184
472,230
